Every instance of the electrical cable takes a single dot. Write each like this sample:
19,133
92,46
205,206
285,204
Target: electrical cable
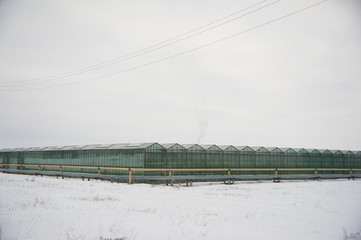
139,52
182,53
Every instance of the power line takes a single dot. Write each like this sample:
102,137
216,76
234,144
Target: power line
184,52
142,51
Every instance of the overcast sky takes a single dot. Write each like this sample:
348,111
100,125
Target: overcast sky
295,82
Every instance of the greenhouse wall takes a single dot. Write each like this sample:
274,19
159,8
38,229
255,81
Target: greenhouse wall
247,159
196,158
214,159
231,157
176,156
155,157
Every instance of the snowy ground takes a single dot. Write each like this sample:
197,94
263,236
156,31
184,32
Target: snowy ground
49,208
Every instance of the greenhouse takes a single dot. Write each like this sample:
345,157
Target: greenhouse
151,159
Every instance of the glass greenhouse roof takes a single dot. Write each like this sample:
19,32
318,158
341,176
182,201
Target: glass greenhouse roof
170,145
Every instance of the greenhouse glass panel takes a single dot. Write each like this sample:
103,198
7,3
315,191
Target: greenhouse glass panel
276,158
2,158
214,159
315,158
290,161
32,158
290,158
303,159
247,159
328,161
13,158
231,157
355,160
155,158
196,158
339,159
176,158
262,160
358,162
349,159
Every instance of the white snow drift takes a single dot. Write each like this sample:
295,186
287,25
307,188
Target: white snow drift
49,208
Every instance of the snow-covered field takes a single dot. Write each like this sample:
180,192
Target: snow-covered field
49,208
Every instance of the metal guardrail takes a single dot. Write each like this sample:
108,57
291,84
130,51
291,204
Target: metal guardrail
172,170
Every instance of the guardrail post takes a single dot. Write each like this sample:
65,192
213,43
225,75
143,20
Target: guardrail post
61,169
315,171
21,167
6,167
39,168
350,171
276,171
98,170
170,173
130,176
229,172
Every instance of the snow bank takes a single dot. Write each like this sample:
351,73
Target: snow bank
49,208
